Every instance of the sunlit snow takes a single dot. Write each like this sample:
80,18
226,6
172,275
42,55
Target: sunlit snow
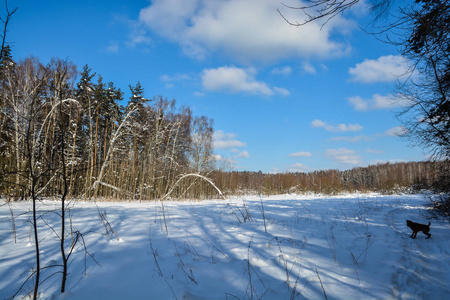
347,247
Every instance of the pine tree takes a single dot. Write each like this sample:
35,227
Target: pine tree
7,70
85,96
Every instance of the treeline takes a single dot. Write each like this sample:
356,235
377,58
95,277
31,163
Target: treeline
66,133
383,178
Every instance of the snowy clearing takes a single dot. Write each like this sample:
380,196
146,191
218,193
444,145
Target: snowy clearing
347,247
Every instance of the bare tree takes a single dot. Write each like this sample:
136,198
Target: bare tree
201,146
60,91
117,134
325,10
319,10
420,31
27,87
427,43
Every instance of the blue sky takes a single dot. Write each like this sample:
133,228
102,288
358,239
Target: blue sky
282,98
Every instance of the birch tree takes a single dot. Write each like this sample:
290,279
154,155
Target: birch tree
201,146
61,92
25,91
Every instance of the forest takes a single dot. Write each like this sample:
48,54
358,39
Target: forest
65,133
383,178
62,133
70,134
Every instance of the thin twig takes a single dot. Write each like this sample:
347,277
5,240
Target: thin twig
323,289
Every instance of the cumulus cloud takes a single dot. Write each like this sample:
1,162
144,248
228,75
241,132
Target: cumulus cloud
384,69
343,156
245,30
338,128
223,140
300,154
376,102
237,80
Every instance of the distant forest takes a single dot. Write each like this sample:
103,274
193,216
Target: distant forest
383,178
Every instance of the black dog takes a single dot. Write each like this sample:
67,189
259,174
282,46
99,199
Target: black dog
416,227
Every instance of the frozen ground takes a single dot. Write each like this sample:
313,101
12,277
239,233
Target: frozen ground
349,247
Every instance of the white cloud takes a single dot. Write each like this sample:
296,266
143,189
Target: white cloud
309,68
300,154
176,77
217,157
199,94
298,167
343,156
282,71
281,91
138,35
240,154
224,140
374,151
245,30
222,135
275,170
351,139
138,39
338,128
113,47
396,131
228,144
237,80
361,9
385,69
376,102
243,154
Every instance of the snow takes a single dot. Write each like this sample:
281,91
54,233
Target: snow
356,246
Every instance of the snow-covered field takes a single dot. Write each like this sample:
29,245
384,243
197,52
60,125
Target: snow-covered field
349,247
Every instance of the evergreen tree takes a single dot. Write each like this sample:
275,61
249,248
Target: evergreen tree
137,94
7,70
6,60
85,96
